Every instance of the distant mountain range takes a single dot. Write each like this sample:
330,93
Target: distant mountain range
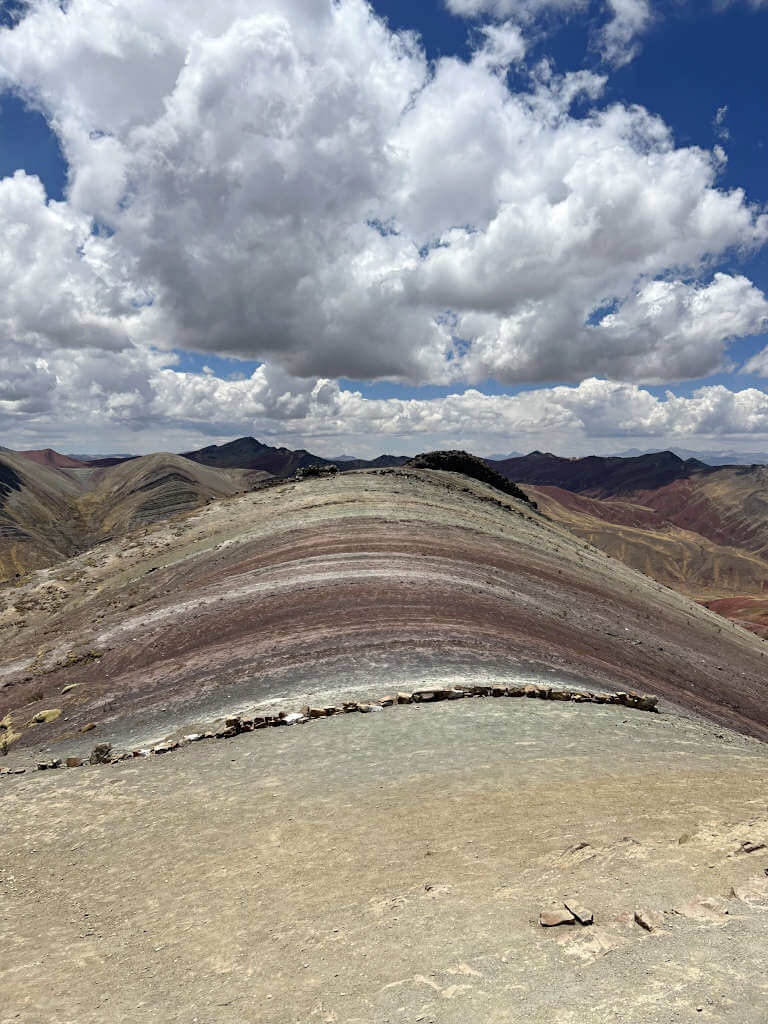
711,458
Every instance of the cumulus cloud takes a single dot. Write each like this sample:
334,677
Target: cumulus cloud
299,186
618,38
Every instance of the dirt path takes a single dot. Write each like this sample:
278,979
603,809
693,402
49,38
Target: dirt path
391,867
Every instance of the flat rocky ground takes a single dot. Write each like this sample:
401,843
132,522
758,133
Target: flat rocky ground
391,868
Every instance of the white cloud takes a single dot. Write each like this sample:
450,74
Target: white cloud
719,125
618,38
630,19
297,185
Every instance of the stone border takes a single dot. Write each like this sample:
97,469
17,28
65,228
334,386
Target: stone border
235,724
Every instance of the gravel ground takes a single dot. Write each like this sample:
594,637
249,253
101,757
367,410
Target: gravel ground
391,867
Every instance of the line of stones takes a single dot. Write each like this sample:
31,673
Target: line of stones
235,724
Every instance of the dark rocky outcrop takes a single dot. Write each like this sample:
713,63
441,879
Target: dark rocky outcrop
469,465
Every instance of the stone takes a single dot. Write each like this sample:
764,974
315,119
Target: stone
317,712
364,708
56,762
582,915
553,918
426,695
387,702
750,847
531,690
17,771
101,753
233,722
141,752
405,698
43,717
648,703
332,710
68,688
42,766
481,691
515,691
650,920
193,737
543,692
294,718
88,727
498,691
223,734
164,748
349,706
560,695
455,694
74,762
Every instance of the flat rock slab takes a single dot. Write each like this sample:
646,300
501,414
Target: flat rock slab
553,918
582,915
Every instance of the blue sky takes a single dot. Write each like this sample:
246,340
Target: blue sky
701,70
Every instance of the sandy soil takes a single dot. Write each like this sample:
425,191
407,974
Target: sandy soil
391,867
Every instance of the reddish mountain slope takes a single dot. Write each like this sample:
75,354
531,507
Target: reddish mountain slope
702,530
52,459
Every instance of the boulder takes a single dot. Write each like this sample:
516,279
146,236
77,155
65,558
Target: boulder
74,762
405,698
317,712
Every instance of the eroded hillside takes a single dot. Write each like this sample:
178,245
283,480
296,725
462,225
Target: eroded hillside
51,511
700,529
329,584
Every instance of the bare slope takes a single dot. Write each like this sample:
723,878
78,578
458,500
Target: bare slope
700,529
48,512
331,586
